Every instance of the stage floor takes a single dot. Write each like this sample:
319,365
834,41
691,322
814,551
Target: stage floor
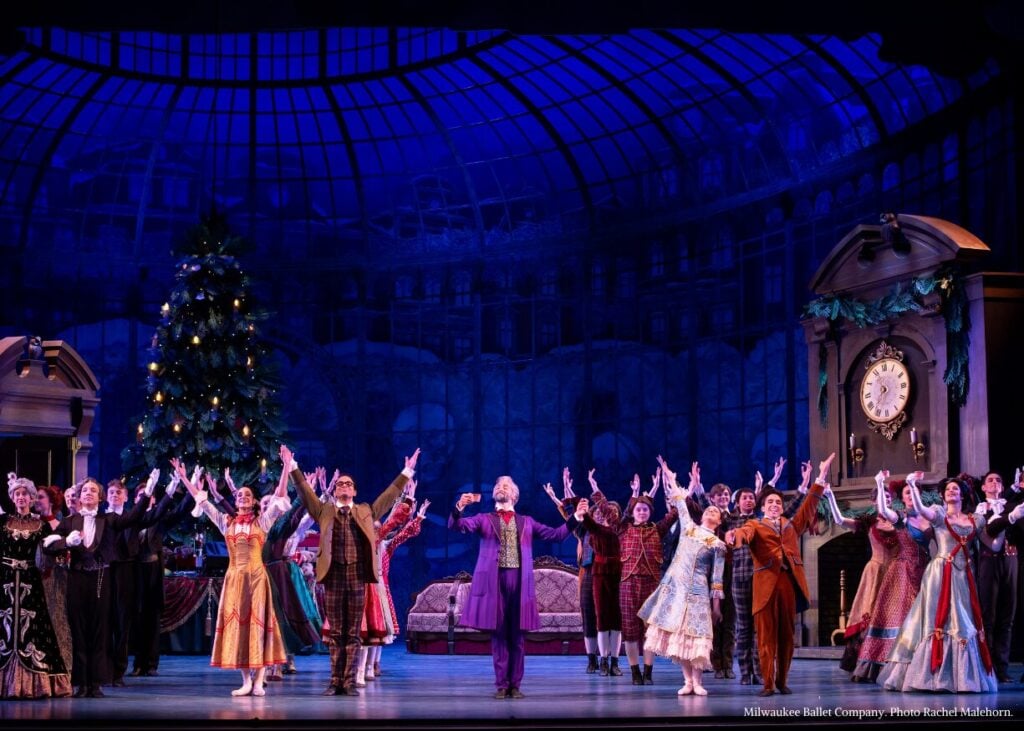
438,691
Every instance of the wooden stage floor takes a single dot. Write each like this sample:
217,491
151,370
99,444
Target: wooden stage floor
437,691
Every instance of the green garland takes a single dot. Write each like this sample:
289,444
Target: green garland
903,299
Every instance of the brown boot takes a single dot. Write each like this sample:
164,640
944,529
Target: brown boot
638,679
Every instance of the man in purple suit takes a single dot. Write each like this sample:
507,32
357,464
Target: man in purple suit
502,598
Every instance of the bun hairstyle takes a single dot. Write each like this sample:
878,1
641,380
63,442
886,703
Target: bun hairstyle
14,482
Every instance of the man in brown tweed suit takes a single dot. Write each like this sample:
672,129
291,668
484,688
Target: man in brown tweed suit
346,560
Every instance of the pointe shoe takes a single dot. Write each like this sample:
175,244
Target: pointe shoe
687,689
244,690
699,690
369,674
259,690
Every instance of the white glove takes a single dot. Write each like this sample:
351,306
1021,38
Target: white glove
200,498
50,540
74,538
1016,514
151,482
173,485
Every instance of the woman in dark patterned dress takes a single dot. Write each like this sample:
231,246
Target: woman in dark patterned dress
54,569
31,665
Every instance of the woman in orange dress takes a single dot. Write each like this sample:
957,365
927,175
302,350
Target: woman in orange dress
248,637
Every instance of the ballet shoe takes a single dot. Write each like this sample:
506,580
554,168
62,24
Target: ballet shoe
259,690
686,689
244,690
699,690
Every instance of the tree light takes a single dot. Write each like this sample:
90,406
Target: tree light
159,398
195,340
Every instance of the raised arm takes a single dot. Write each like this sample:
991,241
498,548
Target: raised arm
313,506
203,504
805,477
675,493
928,513
837,516
881,504
387,498
805,515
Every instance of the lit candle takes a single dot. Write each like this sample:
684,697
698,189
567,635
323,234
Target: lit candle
913,436
263,467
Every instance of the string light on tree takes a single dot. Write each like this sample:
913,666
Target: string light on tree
209,376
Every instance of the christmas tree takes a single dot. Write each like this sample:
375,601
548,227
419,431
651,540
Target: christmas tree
211,386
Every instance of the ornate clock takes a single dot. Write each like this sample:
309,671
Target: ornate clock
885,390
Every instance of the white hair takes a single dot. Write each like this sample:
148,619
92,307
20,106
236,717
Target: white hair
14,482
512,484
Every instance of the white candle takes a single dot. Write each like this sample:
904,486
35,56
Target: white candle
853,440
913,437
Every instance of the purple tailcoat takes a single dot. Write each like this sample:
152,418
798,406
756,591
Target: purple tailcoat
481,609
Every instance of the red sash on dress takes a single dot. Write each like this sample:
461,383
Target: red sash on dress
942,611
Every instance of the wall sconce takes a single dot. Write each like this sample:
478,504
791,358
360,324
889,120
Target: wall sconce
856,453
917,448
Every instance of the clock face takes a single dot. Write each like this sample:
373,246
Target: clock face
885,390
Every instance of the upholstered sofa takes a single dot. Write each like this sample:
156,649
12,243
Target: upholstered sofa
432,625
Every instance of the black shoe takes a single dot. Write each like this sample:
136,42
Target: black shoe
730,674
745,680
136,672
515,693
719,674
1004,679
638,679
591,663
501,693
349,690
755,679
603,669
785,690
332,689
767,692
152,673
96,692
79,692
118,683
648,679
613,668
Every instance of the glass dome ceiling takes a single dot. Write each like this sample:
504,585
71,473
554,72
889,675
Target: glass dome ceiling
358,133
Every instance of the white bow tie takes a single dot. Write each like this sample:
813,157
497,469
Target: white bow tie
88,513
